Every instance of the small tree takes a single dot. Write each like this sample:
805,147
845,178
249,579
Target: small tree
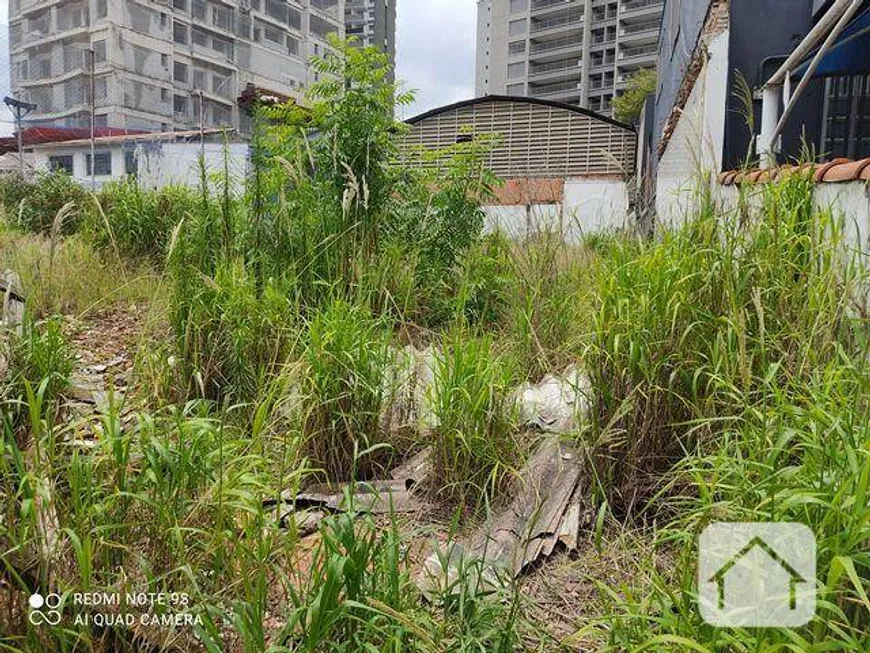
627,107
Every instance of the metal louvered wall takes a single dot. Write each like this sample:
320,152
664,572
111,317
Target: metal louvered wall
535,140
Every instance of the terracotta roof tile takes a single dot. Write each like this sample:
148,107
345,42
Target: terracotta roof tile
727,178
849,171
520,192
836,171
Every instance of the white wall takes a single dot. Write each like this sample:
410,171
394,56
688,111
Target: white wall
698,139
79,153
164,164
587,206
160,164
849,201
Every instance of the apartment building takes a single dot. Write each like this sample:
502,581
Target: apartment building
373,22
162,65
573,51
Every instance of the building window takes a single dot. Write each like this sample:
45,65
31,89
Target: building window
179,104
179,33
99,51
102,8
63,163
102,164
131,163
519,5
181,5
180,72
517,47
516,70
847,117
517,27
516,89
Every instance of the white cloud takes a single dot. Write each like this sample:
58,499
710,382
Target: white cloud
435,44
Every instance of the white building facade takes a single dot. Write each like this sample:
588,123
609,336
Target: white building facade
574,51
165,64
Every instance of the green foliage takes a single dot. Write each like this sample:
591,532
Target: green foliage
137,223
731,379
721,304
39,363
475,450
342,390
232,336
33,206
627,107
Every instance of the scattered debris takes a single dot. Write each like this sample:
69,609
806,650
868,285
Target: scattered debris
414,471
556,404
407,385
548,510
12,313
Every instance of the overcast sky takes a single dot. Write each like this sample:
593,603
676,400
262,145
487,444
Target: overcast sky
435,44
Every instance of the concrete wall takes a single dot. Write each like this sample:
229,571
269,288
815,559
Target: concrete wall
79,154
697,142
682,23
164,164
849,201
159,164
588,206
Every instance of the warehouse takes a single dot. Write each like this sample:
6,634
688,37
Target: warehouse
564,167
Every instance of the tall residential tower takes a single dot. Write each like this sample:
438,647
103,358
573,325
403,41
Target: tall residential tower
373,22
574,51
155,61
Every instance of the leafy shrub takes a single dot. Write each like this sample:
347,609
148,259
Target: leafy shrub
41,201
14,189
640,85
139,222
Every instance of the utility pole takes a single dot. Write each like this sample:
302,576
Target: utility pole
93,93
201,124
20,109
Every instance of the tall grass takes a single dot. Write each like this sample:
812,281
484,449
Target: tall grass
732,381
687,327
475,446
342,391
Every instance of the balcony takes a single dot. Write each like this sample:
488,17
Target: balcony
557,23
638,57
555,68
637,8
560,88
572,42
545,6
640,32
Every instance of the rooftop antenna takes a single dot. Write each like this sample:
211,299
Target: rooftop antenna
20,109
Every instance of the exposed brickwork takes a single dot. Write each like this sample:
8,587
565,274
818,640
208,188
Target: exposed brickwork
718,19
522,192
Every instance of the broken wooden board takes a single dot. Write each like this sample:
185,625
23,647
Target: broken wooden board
377,497
12,297
547,510
415,470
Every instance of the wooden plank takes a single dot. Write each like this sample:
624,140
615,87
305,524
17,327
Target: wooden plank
531,524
